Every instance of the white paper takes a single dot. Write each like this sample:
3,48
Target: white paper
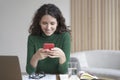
63,76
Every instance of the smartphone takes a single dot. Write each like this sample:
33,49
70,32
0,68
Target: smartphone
48,45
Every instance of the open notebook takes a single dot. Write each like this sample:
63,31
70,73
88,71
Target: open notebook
10,68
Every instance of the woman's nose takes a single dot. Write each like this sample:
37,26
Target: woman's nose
48,26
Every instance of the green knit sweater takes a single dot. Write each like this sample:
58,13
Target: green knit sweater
48,65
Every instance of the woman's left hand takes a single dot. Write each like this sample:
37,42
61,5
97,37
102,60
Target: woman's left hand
57,53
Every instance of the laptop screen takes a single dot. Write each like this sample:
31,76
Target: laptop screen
10,68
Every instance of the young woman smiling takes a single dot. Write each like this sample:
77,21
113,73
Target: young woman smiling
48,26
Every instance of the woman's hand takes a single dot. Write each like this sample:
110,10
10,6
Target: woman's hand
39,55
57,53
44,53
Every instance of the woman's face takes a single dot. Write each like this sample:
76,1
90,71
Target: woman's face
48,24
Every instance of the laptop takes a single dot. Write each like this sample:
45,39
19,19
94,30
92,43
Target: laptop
10,68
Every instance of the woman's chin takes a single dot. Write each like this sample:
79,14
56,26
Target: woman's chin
48,34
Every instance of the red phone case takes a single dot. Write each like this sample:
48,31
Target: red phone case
48,45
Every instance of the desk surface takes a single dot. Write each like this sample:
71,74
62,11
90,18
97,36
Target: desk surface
56,77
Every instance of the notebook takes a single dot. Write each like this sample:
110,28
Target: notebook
10,68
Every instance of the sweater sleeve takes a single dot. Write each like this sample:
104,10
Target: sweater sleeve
63,68
30,52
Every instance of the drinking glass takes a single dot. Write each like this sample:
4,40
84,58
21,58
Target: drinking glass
72,68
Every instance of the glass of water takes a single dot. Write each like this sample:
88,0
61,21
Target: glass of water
72,71
72,68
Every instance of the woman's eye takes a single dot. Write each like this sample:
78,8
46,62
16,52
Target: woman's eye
44,23
52,23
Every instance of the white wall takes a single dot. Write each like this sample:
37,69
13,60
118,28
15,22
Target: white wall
15,18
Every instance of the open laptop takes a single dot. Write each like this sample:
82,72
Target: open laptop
10,68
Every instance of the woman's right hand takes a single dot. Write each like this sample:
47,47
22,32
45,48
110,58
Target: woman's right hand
39,55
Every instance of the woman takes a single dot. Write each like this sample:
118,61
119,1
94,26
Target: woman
48,26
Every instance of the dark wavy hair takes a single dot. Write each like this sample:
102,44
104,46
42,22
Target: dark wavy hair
51,10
